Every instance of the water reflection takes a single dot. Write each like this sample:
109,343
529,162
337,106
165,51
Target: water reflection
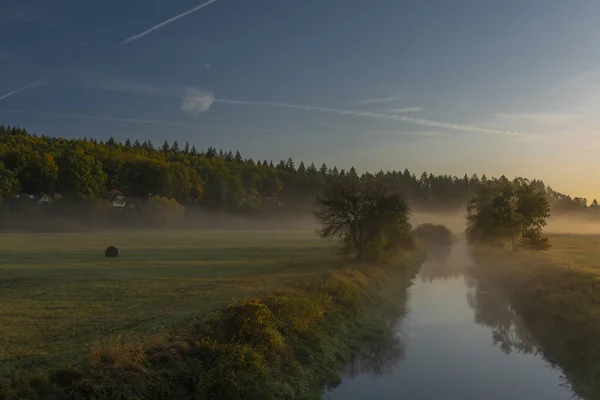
509,332
492,310
441,264
464,341
379,356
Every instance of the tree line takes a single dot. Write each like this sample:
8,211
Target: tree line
85,170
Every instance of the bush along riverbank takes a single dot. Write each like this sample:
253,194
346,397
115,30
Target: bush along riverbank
561,307
282,345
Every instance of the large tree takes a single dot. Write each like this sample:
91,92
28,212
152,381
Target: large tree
503,211
367,219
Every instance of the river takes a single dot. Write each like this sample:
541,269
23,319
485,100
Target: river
459,340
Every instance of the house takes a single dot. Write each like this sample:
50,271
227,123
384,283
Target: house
119,201
45,199
117,198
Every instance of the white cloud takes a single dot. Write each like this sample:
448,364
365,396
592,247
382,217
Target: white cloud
207,65
7,95
167,22
379,100
197,101
403,110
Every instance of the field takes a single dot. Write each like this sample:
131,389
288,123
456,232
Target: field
59,294
575,250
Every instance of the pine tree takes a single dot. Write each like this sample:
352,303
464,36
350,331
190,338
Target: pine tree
166,147
193,151
238,157
289,165
186,149
301,168
175,147
137,144
323,170
127,143
211,152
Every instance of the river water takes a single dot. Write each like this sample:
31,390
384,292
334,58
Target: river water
459,340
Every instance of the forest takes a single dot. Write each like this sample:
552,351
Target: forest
182,178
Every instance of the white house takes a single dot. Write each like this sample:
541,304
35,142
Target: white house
119,201
45,199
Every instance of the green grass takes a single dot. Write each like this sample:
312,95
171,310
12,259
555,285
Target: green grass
59,294
574,250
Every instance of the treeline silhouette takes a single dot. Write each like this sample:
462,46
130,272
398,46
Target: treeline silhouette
86,170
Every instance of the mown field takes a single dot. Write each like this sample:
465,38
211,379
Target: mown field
574,250
59,294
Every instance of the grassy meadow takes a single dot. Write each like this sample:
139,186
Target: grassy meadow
581,251
59,294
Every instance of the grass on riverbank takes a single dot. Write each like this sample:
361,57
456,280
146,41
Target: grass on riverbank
560,303
59,294
284,344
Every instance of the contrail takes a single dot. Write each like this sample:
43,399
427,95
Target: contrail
95,118
19,90
414,121
164,23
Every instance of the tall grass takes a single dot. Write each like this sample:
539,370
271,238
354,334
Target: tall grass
560,305
280,345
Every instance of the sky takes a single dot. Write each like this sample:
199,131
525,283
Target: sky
451,87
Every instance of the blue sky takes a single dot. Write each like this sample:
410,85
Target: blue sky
496,87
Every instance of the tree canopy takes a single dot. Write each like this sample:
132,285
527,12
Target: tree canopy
502,211
365,217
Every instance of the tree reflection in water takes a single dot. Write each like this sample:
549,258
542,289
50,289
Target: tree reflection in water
380,355
509,331
492,310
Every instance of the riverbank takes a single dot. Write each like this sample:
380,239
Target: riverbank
284,344
560,304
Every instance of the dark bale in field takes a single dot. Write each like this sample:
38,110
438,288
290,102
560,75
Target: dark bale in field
111,251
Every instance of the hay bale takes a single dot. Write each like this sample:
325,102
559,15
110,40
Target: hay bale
111,251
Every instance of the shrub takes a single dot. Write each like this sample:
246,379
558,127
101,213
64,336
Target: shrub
163,212
436,235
